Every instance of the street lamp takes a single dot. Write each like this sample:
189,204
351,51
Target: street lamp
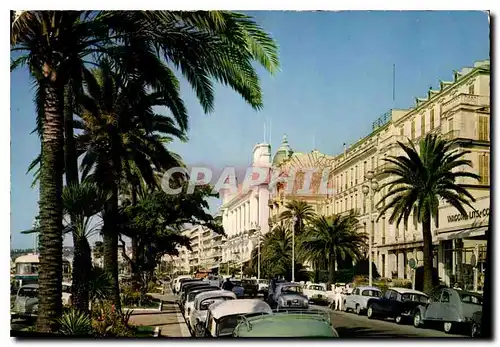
371,188
294,220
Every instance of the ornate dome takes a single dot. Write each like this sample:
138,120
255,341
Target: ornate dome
283,153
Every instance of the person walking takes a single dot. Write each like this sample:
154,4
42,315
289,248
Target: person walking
338,298
228,285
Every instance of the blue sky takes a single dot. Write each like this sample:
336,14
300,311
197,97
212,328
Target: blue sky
335,80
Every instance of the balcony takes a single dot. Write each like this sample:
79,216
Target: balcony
465,100
451,135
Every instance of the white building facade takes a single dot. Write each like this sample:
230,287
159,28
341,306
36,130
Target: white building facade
245,213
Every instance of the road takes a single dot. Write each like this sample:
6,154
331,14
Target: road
350,325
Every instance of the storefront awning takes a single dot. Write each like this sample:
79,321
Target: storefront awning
461,234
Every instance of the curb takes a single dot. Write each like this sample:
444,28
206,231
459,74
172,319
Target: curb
182,325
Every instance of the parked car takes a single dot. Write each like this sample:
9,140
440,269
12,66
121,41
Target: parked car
202,302
191,295
223,317
316,293
397,303
67,296
250,286
187,285
273,284
238,288
298,325
358,300
451,307
263,287
26,303
176,283
289,296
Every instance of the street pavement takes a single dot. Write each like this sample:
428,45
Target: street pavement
350,325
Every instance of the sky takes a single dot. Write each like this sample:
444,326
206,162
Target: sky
336,78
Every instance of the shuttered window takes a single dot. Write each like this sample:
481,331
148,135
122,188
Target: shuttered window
484,168
412,135
483,128
422,125
471,89
432,119
402,131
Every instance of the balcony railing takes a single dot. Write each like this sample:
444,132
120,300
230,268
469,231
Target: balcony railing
450,135
466,99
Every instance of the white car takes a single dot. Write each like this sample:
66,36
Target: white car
316,293
263,286
66,294
223,317
189,303
358,300
200,307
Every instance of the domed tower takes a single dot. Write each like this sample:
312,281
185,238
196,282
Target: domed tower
284,152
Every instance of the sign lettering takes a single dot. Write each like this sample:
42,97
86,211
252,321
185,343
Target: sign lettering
471,215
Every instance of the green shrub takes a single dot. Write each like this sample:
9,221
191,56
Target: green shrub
108,322
75,323
401,283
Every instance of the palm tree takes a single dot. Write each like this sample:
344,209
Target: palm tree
216,45
333,237
421,178
299,209
82,202
122,133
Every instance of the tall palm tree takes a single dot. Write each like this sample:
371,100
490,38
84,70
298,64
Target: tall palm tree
422,177
333,237
82,202
122,132
299,209
57,46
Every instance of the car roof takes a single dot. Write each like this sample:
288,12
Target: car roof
33,286
465,292
202,289
215,294
368,288
241,306
286,325
407,291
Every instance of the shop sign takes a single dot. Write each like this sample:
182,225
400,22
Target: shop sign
471,215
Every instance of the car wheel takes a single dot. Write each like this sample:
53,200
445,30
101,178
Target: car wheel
447,327
417,320
369,312
475,330
399,319
358,310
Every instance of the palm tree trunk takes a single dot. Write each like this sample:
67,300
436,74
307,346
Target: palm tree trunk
110,245
331,268
82,260
51,210
428,256
135,247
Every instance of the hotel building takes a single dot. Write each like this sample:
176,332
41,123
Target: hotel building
459,110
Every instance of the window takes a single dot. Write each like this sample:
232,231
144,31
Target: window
371,292
422,125
372,231
355,201
412,135
373,163
356,175
387,294
394,294
402,131
450,124
351,203
445,297
482,128
352,177
364,206
432,119
471,89
346,179
383,230
345,204
341,204
484,168
341,181
471,299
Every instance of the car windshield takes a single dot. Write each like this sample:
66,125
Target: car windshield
313,287
414,297
292,289
227,324
193,294
371,292
28,292
207,302
471,299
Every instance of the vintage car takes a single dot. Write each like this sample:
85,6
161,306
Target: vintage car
176,283
185,281
250,286
358,300
201,304
66,294
238,288
26,303
263,286
397,303
273,284
316,293
188,290
348,289
223,317
288,325
187,305
289,296
451,307
188,285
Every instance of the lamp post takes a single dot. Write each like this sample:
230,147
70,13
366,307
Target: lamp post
371,188
294,220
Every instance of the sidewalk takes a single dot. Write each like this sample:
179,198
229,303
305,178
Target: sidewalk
169,320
